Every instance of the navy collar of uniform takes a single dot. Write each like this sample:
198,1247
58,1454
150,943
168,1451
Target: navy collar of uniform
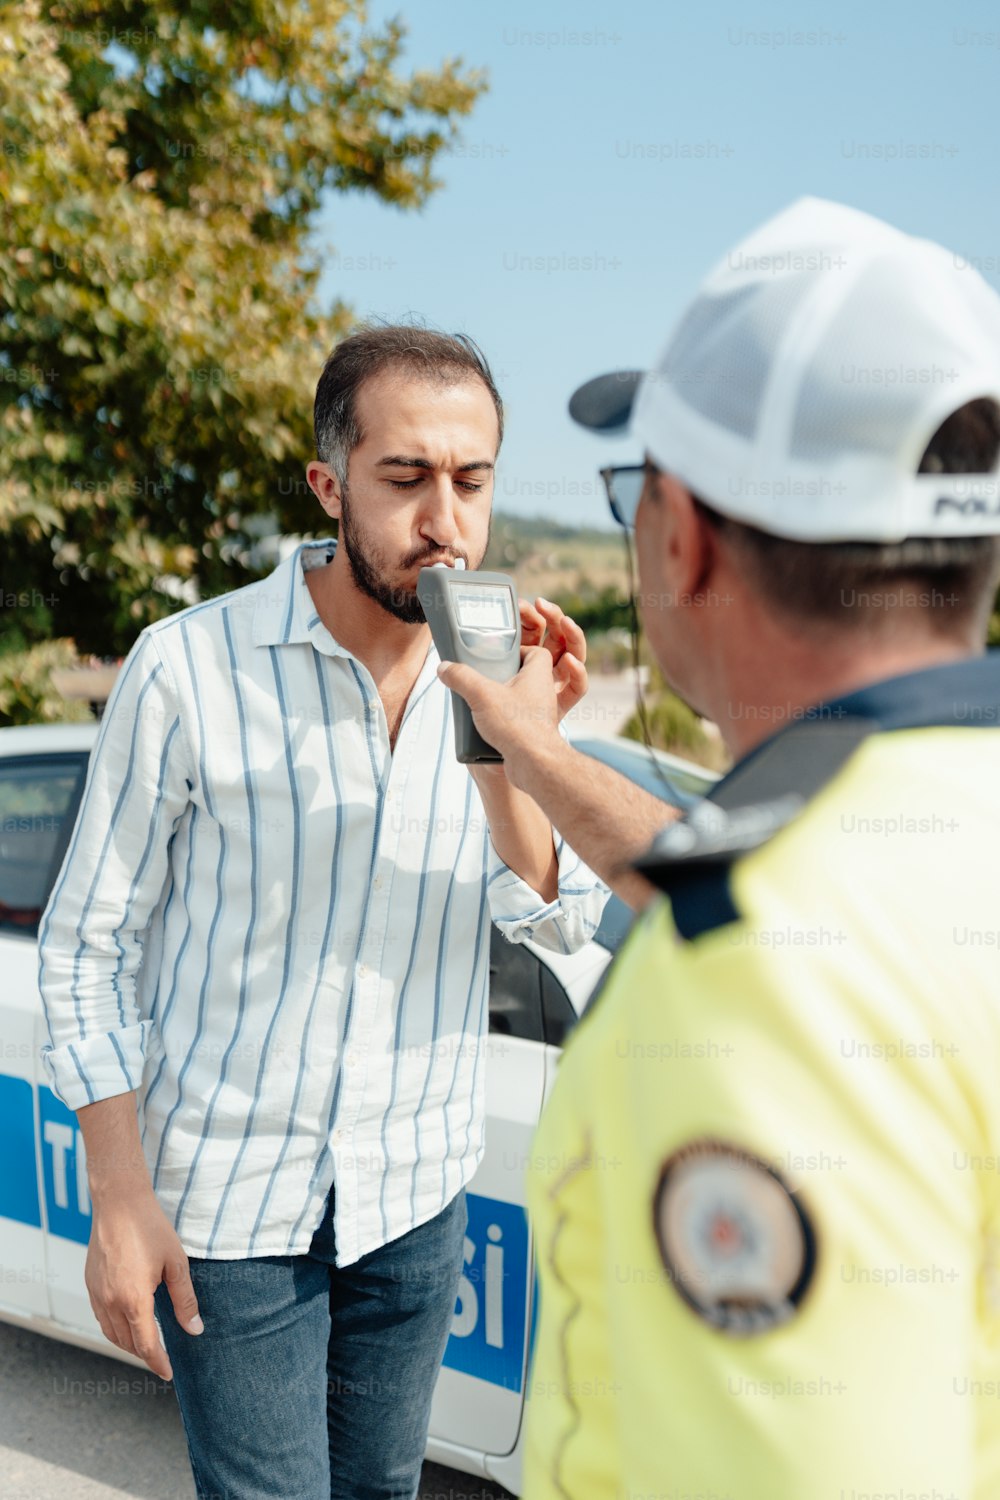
960,692
964,693
690,860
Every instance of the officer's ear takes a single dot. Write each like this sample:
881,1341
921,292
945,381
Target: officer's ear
686,536
326,487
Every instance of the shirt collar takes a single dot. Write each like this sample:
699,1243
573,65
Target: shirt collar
285,612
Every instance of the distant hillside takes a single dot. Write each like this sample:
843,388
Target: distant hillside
582,565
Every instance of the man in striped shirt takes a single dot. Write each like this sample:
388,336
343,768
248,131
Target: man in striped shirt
265,960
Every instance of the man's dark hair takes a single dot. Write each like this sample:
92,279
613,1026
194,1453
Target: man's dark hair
953,579
372,348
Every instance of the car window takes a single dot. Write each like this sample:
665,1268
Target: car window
558,1014
526,998
515,989
39,797
616,924
678,787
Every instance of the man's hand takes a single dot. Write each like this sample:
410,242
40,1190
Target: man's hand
133,1247
544,624
518,717
606,818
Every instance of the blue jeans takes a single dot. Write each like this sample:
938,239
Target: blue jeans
312,1382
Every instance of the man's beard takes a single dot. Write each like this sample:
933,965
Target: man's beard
370,568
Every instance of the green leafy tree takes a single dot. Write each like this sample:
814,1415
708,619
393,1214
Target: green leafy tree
160,170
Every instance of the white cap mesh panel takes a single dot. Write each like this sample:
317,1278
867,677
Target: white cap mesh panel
818,358
721,356
871,385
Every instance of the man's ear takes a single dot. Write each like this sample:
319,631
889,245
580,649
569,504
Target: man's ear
325,486
688,540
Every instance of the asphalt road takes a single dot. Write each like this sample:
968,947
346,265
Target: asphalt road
77,1426
609,704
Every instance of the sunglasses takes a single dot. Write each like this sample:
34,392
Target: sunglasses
624,484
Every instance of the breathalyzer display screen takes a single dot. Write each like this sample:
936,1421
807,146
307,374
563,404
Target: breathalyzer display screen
483,609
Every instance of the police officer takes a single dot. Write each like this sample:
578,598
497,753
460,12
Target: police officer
767,1210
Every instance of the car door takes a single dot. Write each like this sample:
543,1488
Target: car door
480,1391
39,796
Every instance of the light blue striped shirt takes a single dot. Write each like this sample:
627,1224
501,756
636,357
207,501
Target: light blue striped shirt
277,931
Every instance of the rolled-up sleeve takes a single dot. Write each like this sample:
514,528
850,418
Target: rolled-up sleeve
565,924
90,937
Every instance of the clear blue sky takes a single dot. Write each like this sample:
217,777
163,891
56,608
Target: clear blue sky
627,164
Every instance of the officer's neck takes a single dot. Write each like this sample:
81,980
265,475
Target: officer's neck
770,675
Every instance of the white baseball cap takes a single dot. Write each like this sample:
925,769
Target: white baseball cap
801,386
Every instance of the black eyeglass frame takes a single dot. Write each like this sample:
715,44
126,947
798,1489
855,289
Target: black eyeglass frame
608,475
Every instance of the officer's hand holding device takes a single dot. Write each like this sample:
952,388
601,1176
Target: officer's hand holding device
475,619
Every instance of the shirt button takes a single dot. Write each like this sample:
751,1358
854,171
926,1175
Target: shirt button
377,883
338,1136
362,971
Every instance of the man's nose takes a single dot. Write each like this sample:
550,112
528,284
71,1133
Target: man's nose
439,522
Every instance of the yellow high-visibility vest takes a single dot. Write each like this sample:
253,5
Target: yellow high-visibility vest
766,1203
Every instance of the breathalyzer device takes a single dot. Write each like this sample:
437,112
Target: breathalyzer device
475,619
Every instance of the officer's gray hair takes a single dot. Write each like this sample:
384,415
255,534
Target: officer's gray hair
833,582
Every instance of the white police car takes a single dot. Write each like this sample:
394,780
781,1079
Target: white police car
535,997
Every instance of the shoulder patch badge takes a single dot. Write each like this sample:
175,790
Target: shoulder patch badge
736,1241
